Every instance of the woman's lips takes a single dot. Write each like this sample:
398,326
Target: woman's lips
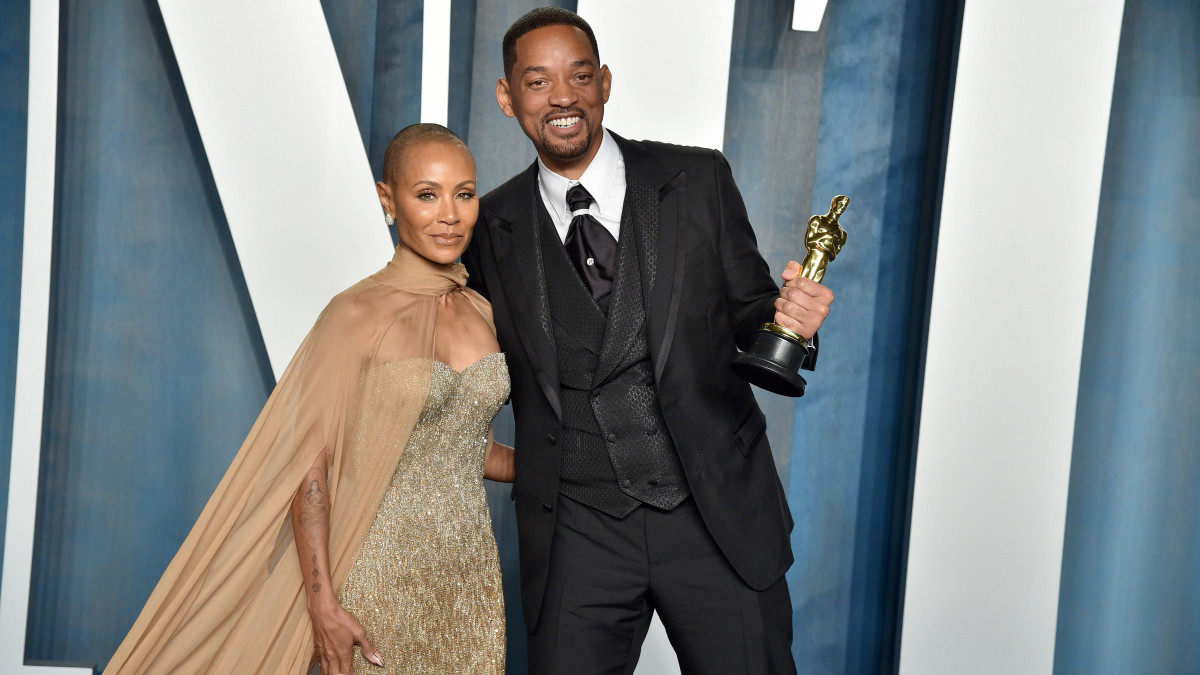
447,239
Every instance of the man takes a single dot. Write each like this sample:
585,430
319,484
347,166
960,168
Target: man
622,275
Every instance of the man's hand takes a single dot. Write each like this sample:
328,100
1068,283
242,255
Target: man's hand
802,304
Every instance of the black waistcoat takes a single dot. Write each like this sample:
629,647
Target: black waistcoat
616,451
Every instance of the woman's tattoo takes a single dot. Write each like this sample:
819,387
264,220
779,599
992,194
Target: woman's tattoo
315,505
314,490
314,514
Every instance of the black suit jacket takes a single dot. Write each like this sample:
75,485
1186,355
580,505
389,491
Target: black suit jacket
711,289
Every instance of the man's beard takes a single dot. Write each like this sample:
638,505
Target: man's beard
567,150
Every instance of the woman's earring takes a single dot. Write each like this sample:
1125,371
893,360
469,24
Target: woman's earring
387,218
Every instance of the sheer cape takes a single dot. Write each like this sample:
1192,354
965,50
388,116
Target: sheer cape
232,599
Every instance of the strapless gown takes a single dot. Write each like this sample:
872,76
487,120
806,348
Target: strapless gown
426,585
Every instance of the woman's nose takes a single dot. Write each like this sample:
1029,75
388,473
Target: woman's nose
449,212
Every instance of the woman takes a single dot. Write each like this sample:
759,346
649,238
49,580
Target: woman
374,442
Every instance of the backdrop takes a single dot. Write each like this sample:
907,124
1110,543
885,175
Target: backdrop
156,364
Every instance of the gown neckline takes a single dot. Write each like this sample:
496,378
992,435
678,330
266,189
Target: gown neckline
462,372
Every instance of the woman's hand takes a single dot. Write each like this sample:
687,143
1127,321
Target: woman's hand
498,464
335,631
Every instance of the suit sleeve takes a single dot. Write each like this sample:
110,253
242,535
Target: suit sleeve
749,287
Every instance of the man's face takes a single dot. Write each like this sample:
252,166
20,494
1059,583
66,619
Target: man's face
557,94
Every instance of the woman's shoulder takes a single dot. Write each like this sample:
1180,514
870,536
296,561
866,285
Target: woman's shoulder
357,306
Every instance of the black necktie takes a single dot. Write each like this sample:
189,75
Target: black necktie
591,247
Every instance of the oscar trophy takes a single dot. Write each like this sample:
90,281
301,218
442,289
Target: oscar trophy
776,353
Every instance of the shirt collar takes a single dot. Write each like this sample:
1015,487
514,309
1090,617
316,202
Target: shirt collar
600,178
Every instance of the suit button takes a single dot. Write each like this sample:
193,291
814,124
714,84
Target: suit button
653,482
595,393
547,507
626,482
551,439
612,438
649,381
652,431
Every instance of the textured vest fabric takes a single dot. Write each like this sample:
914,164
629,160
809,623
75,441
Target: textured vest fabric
616,451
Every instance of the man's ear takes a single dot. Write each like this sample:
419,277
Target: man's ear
504,97
605,81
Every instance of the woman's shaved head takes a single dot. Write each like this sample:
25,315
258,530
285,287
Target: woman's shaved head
415,134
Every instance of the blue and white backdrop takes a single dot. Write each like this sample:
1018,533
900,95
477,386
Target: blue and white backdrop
995,469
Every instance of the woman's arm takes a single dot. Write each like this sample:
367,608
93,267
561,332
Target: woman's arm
334,629
498,465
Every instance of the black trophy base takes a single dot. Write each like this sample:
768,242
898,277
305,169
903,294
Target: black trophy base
771,363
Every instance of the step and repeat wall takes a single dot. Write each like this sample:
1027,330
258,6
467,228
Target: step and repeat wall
995,464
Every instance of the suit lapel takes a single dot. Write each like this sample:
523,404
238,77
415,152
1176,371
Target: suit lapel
659,206
519,258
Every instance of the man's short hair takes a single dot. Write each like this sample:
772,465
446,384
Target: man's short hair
393,156
540,18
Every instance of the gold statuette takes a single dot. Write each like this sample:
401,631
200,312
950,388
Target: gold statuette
777,353
824,239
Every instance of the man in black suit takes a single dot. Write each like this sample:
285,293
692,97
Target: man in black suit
622,275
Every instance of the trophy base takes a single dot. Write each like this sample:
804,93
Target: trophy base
767,374
771,363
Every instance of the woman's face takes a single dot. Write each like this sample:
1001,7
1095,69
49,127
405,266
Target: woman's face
433,200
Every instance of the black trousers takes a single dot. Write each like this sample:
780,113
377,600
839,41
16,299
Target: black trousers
608,575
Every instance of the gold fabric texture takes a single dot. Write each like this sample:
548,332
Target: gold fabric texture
426,585
232,599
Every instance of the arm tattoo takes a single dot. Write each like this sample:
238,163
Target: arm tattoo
316,508
314,490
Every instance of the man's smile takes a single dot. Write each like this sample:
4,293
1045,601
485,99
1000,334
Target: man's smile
565,122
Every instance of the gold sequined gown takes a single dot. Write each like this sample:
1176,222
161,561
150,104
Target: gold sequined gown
426,585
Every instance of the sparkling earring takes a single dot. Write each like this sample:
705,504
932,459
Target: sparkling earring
387,218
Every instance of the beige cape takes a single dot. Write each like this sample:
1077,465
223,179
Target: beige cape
232,600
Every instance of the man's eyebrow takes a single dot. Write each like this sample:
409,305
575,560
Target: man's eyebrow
574,64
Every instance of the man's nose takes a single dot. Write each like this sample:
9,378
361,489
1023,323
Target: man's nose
562,94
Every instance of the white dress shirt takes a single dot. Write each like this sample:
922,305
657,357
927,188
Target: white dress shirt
604,179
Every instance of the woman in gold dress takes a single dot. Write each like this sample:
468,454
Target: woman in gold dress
382,420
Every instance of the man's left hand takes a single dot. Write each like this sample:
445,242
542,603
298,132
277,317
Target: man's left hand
802,304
